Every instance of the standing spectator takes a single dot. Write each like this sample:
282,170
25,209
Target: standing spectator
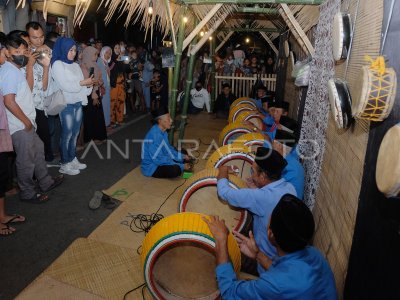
98,44
69,77
270,67
239,56
117,52
156,87
136,84
102,62
118,95
229,66
21,116
255,67
147,76
246,68
198,98
94,127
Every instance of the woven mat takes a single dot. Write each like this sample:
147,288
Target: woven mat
99,268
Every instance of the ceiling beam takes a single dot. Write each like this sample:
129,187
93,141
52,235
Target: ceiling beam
299,2
226,38
270,43
171,24
258,10
244,29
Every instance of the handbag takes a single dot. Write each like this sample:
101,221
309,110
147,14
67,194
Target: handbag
54,103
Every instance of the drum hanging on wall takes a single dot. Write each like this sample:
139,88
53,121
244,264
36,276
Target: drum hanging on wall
234,154
341,36
199,194
340,100
178,258
234,111
286,48
243,100
252,117
388,163
232,131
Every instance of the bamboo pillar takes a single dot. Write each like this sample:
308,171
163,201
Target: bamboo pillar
175,81
170,79
212,55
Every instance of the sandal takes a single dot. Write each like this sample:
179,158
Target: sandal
57,181
14,219
37,199
6,231
95,202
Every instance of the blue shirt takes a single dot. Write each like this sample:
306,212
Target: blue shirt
294,172
157,151
261,203
302,275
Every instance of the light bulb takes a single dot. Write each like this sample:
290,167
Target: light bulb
201,33
210,38
185,19
150,10
247,40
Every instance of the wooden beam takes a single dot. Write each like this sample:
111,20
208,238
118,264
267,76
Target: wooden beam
171,23
244,29
296,29
226,38
270,43
258,10
299,2
199,26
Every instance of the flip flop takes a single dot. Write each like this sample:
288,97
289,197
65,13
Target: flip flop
10,231
57,181
37,199
95,202
14,219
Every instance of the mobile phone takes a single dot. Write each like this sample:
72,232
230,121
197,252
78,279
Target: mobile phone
125,58
91,72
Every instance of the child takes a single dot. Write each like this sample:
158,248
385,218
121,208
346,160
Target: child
156,86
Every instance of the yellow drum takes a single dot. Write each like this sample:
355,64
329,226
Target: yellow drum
232,131
234,154
252,117
199,194
178,258
252,140
234,111
244,100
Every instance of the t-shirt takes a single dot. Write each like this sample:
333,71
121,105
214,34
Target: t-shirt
134,65
13,81
200,98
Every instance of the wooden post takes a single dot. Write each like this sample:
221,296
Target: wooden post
171,23
212,75
175,81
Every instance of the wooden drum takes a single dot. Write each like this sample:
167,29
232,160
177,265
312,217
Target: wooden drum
199,194
243,100
252,117
340,99
252,140
232,131
374,94
234,154
388,163
341,36
178,258
236,110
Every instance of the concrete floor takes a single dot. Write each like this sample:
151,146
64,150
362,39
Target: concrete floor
51,227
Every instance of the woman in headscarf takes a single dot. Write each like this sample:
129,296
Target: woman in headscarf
103,63
94,126
75,88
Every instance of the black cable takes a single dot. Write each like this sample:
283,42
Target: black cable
143,288
134,289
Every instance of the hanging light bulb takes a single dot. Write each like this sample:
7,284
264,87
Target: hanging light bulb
210,38
247,40
185,19
150,9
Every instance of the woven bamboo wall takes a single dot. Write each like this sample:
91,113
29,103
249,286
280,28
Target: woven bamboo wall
338,195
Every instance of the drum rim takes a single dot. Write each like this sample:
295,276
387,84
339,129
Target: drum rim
342,101
343,21
232,132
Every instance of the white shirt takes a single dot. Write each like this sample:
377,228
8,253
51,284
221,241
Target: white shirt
199,98
67,77
13,81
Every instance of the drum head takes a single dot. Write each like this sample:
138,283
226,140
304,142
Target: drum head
341,36
340,100
388,163
286,48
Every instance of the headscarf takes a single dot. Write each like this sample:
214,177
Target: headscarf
61,49
103,51
88,61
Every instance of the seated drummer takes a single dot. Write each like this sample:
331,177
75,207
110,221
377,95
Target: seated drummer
280,115
260,201
159,158
263,99
298,271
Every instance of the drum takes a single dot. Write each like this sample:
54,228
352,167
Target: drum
243,100
178,258
340,99
341,36
232,131
388,163
234,111
234,154
286,48
199,194
252,117
374,94
252,140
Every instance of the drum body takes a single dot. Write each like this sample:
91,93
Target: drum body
236,110
234,154
252,140
388,163
178,258
244,100
341,36
232,131
340,100
252,117
199,194
374,94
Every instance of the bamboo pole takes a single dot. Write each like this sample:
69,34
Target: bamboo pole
299,2
241,29
199,26
212,55
258,10
226,38
270,43
178,57
171,23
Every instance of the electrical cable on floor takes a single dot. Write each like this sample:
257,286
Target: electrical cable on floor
143,285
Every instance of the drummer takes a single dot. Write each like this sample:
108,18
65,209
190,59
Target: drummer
264,99
298,271
260,201
159,158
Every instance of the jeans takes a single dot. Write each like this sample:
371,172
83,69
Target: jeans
71,120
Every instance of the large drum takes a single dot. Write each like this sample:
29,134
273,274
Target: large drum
252,117
340,99
178,258
341,36
388,163
234,111
234,154
252,140
374,94
232,131
243,100
199,194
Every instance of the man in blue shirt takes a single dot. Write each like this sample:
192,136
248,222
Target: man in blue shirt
298,272
266,176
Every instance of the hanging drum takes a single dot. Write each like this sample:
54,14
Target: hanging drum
252,140
388,163
234,111
341,36
234,154
243,100
286,48
340,99
232,131
252,117
178,258
199,194
375,93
